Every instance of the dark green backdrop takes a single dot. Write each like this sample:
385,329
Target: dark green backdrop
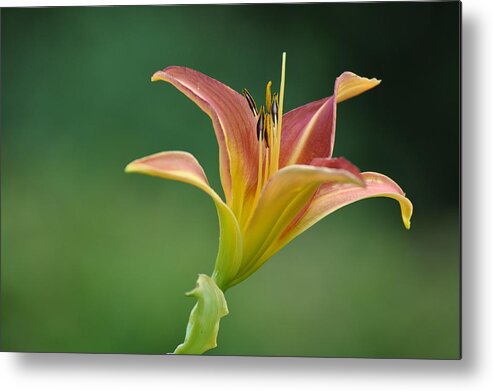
93,260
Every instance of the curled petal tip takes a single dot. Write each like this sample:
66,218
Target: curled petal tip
350,84
130,168
135,167
407,212
330,198
164,74
159,75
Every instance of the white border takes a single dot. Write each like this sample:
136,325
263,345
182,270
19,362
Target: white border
474,372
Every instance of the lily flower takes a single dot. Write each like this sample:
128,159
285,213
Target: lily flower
278,176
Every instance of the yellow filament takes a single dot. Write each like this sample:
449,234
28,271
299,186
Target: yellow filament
276,148
268,157
268,129
260,164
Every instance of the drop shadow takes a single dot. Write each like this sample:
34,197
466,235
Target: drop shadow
470,183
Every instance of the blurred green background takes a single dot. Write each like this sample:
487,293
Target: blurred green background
93,260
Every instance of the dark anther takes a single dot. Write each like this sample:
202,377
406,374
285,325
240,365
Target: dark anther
266,138
260,123
250,101
274,108
267,129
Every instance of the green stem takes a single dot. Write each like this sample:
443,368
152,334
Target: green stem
203,324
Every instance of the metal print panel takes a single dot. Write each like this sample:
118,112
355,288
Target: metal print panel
289,237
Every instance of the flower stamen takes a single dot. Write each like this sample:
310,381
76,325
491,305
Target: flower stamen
268,96
274,108
268,130
260,136
269,122
260,123
251,101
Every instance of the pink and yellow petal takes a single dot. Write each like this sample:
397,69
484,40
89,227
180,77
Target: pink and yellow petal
284,196
183,167
330,198
234,126
309,131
